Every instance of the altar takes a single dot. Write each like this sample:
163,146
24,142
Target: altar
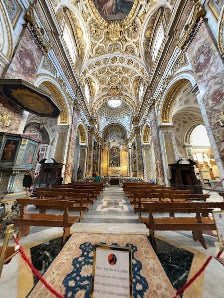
114,179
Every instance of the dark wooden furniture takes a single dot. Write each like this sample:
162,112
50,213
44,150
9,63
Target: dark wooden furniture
49,172
183,177
197,224
26,220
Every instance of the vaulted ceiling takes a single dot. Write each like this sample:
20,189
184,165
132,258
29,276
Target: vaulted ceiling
111,43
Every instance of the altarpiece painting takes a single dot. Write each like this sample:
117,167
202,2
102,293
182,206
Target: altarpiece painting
114,157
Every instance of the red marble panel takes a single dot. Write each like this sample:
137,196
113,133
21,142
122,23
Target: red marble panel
71,150
157,149
26,60
209,73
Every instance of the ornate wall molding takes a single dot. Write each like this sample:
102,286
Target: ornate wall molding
193,25
221,33
36,31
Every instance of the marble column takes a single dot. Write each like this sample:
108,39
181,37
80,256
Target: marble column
99,158
139,158
82,158
71,147
89,167
168,143
130,164
160,175
61,143
146,159
208,69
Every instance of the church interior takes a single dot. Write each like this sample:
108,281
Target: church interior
111,135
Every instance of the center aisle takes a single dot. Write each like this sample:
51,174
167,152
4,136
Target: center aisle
111,213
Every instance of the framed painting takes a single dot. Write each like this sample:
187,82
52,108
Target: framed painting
114,157
114,10
10,150
29,154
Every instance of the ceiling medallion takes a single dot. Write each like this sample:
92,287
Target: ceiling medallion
113,10
114,14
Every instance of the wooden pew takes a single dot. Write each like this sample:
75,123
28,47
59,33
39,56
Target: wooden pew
26,220
222,195
167,196
92,191
81,200
201,222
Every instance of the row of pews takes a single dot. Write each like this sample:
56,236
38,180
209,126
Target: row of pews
168,209
67,197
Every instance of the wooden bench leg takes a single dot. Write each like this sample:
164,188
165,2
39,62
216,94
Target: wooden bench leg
23,231
152,237
197,235
66,234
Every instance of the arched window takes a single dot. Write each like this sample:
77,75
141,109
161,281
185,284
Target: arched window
199,136
87,92
157,42
68,38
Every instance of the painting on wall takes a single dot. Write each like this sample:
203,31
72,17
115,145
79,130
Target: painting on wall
9,151
114,10
114,157
30,150
215,6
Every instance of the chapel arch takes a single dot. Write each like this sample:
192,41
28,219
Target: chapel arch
57,95
180,115
146,134
82,134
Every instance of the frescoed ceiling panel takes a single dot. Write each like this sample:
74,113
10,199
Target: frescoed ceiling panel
114,37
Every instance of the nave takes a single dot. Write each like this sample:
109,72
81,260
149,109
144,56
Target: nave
111,219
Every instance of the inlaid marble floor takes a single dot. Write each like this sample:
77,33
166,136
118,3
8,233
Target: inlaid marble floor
112,213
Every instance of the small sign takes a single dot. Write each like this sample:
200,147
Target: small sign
219,221
112,275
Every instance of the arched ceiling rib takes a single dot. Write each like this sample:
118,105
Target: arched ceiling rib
114,59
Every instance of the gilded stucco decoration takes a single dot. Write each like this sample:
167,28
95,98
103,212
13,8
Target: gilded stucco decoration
57,96
170,98
121,115
35,30
159,19
113,60
146,134
82,134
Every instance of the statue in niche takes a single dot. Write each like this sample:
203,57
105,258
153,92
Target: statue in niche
114,157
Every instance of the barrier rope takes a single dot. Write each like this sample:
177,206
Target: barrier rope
53,291
187,285
35,271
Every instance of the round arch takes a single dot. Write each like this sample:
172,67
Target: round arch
55,90
84,28
169,95
146,134
82,134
